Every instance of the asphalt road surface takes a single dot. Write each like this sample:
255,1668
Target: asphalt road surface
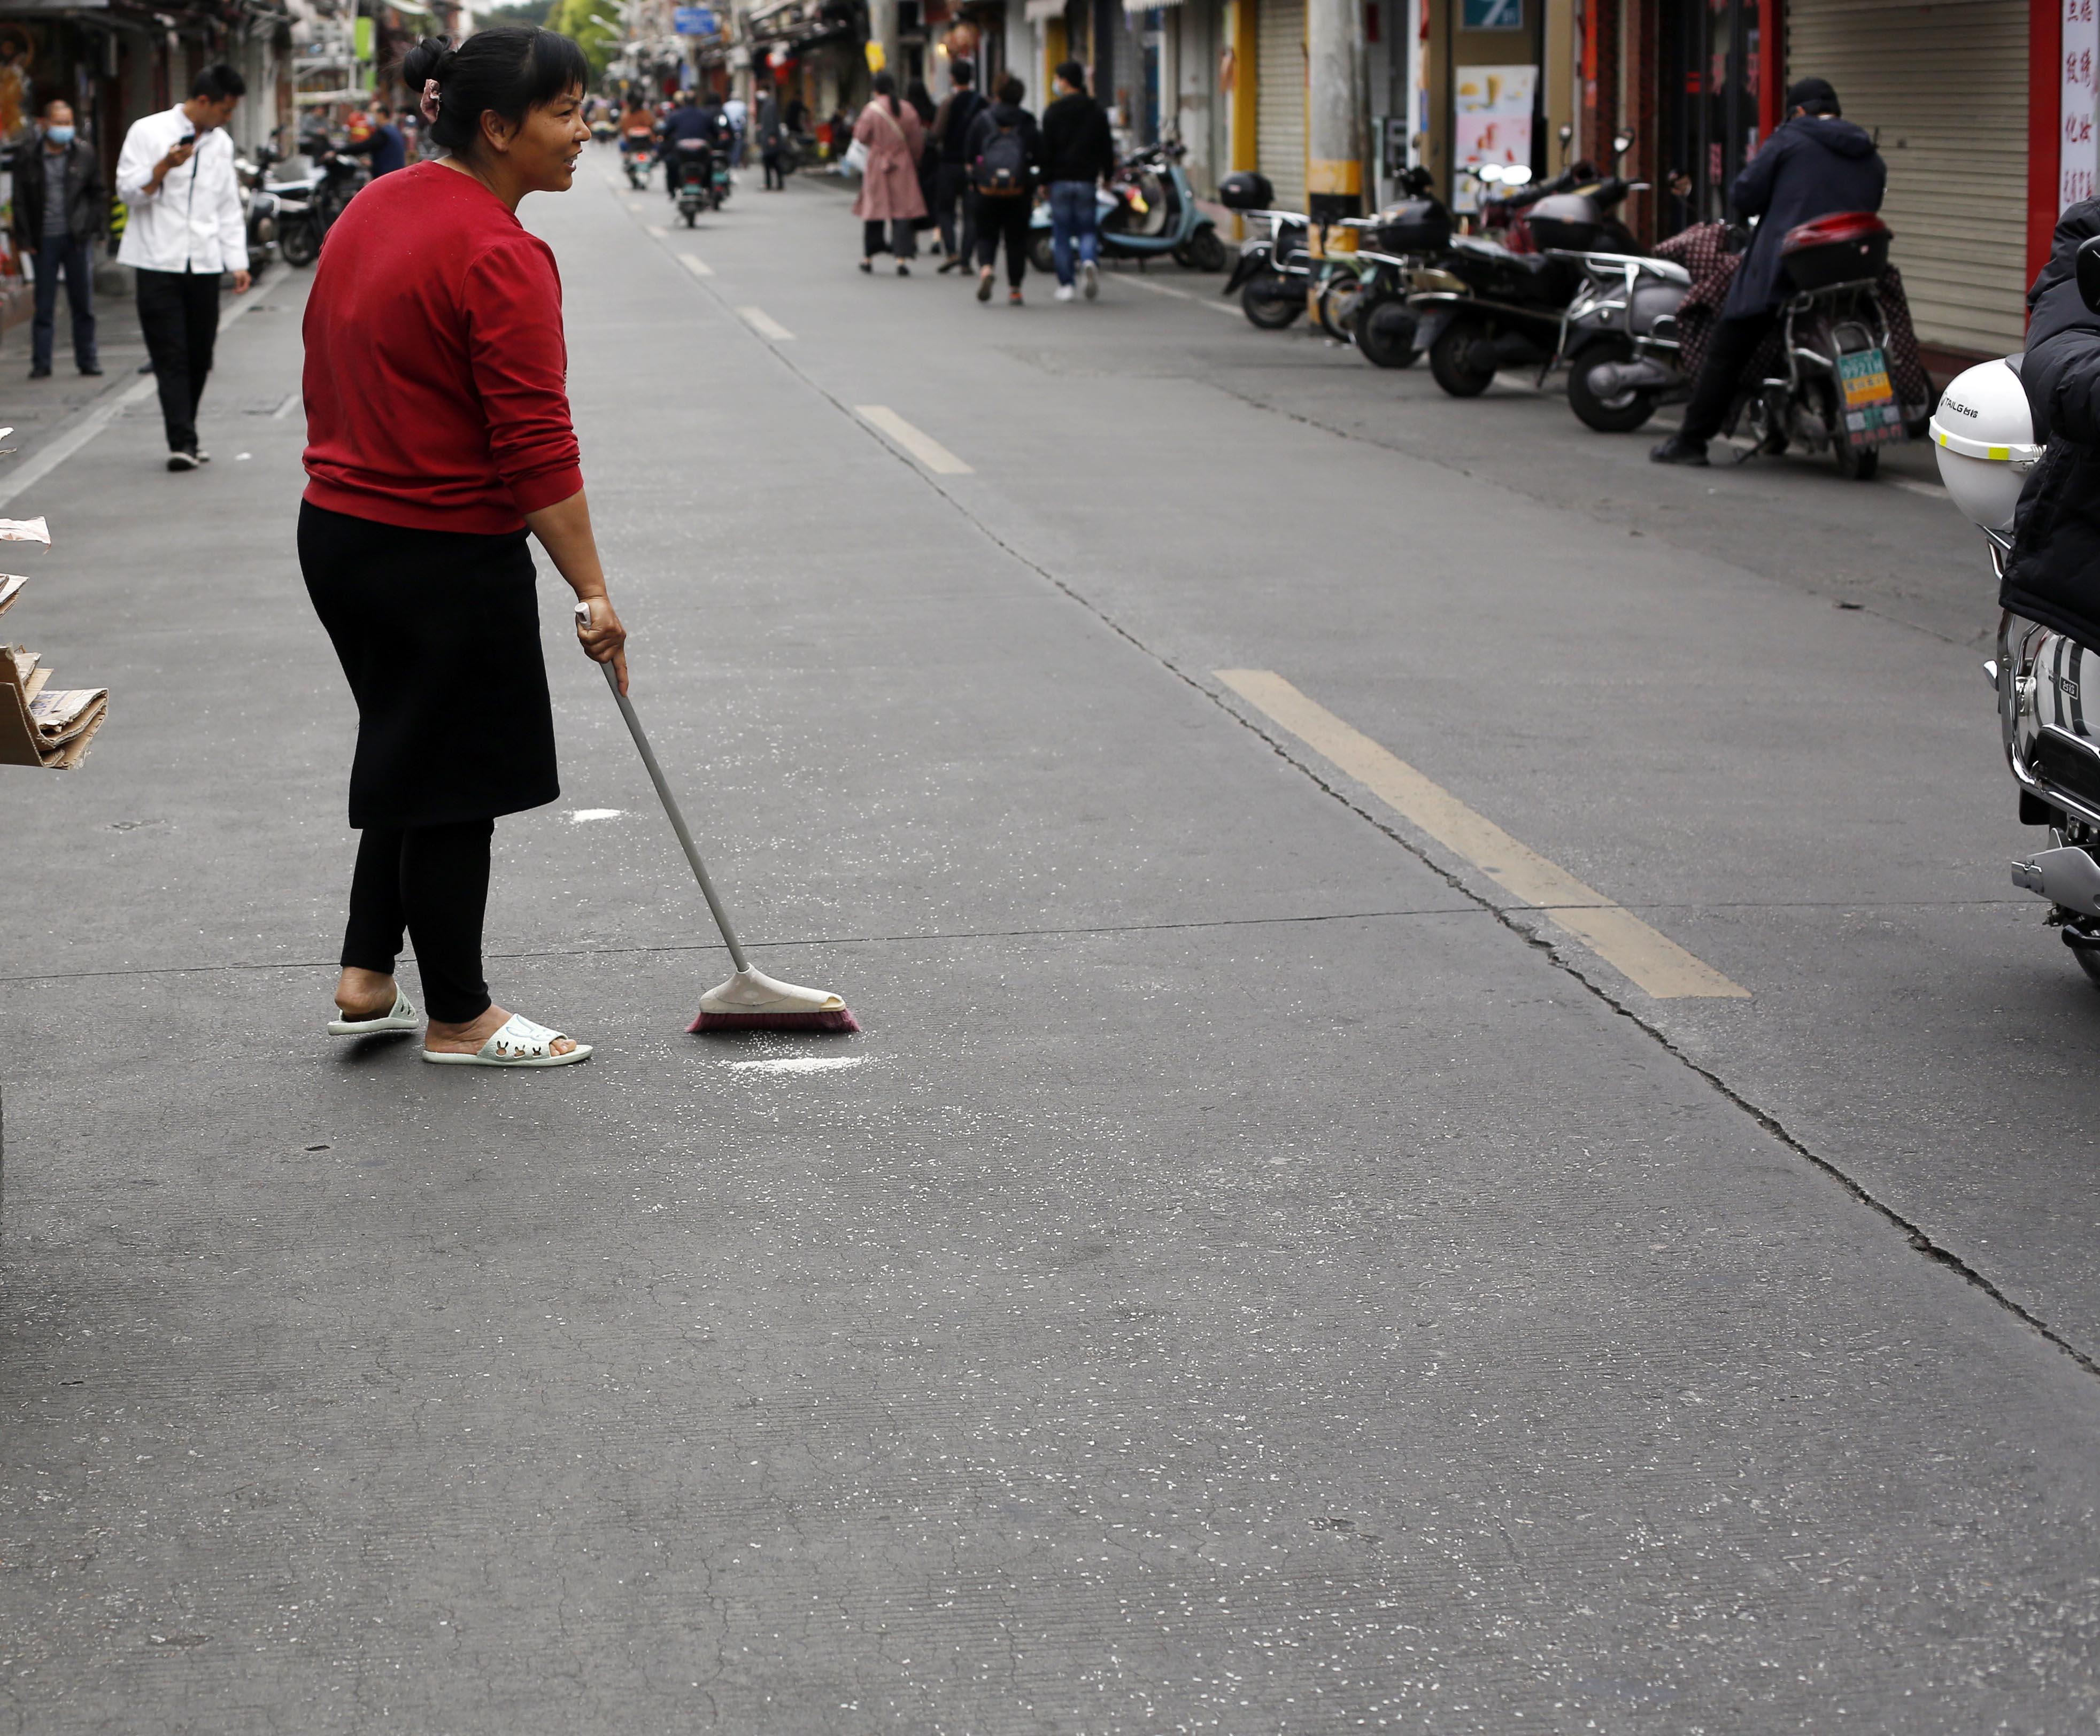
1457,1126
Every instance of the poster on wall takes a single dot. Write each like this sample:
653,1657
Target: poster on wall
1493,123
2076,146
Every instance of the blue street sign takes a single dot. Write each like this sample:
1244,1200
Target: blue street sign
695,20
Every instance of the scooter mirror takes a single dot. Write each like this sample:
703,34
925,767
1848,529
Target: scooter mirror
1490,173
2089,273
1566,136
1622,141
1515,174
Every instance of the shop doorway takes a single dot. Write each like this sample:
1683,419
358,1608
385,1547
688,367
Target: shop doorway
1708,114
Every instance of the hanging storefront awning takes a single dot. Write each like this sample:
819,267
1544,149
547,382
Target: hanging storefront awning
1041,11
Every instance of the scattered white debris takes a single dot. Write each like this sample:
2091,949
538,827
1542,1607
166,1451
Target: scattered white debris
799,1064
582,814
25,530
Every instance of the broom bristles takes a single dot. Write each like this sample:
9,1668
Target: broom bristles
840,1019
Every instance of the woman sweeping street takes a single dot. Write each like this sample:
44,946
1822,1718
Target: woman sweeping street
438,435
890,193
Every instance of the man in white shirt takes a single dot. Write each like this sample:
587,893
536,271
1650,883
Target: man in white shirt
185,230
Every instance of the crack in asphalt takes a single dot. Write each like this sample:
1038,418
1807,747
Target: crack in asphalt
1913,1233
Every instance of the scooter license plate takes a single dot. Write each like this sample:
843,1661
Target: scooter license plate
1872,415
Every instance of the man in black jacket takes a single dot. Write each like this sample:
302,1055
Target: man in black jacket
951,174
1815,164
1078,151
2053,575
61,211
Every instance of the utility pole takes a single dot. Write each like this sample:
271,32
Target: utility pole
1334,110
882,29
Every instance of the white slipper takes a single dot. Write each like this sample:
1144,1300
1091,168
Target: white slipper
404,1017
520,1043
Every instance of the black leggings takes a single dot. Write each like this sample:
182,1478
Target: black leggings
1008,220
903,240
434,881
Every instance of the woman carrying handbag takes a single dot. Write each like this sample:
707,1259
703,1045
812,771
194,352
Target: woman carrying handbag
889,132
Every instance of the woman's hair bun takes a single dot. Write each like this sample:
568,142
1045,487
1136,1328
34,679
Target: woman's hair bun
431,58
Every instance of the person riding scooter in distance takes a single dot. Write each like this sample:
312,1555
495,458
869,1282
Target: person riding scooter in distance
1813,164
699,118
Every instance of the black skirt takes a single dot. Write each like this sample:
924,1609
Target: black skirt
439,631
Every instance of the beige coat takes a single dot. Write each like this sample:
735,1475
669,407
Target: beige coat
890,185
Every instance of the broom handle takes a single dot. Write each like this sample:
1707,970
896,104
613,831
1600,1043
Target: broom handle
677,819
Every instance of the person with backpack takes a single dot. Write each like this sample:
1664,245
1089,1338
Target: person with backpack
951,174
1005,152
891,134
1078,152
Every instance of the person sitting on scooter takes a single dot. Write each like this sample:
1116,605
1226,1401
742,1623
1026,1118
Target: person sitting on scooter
1814,164
699,118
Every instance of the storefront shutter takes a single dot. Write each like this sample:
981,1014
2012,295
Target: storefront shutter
1946,87
1280,98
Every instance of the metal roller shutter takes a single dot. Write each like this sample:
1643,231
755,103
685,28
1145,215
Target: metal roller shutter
1946,87
1280,98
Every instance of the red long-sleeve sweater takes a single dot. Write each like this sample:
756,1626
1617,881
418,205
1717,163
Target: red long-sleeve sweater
436,372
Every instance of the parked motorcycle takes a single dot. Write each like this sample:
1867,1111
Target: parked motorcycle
309,204
1147,211
1277,275
1984,433
1620,340
258,203
1833,393
1370,310
1485,306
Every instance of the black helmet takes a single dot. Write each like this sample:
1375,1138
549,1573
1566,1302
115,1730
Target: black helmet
1244,189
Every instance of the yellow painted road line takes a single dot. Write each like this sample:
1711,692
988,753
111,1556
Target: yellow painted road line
700,267
927,450
764,324
1651,961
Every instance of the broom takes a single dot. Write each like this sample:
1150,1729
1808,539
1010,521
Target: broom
751,1000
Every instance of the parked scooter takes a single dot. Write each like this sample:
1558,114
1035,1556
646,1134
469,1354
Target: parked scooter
1370,311
258,203
1620,340
1147,211
1485,306
308,205
1983,431
1834,393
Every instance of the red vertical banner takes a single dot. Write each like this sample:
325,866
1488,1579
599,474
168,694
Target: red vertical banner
2044,127
1772,66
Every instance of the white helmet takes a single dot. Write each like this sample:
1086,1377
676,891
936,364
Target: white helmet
1984,436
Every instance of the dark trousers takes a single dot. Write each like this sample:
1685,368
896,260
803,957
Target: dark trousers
56,253
952,194
178,313
1004,220
433,880
1734,343
903,241
775,175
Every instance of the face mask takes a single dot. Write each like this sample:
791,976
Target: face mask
59,135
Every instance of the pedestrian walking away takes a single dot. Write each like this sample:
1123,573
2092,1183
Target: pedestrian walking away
1078,152
439,434
772,143
737,116
951,173
1005,152
891,134
921,100
60,214
1814,164
186,228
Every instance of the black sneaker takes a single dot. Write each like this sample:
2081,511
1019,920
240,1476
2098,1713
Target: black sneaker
40,373
181,459
92,369
1678,450
201,454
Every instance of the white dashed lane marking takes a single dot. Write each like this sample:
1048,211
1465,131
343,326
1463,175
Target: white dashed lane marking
923,446
764,324
700,267
1651,961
